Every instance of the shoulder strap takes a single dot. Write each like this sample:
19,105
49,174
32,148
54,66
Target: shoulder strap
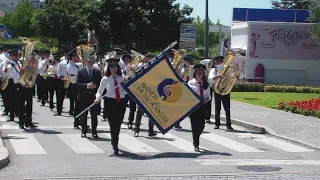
14,67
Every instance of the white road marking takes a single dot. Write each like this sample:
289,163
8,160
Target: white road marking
257,162
231,144
79,145
280,144
7,126
133,144
3,119
25,144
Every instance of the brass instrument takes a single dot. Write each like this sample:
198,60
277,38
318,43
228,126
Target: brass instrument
52,70
136,59
4,84
84,52
67,81
29,64
180,66
231,74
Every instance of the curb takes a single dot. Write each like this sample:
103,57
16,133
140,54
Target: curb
264,130
4,155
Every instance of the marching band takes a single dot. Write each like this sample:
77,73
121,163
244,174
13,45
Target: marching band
85,80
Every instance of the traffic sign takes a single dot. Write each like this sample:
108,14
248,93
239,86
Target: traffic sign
188,35
216,28
2,27
8,35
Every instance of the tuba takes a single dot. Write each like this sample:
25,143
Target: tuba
231,74
84,52
180,66
29,63
136,59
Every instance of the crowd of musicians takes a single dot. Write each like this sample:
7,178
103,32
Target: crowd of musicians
94,77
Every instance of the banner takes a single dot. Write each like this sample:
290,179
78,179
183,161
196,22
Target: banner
162,94
282,41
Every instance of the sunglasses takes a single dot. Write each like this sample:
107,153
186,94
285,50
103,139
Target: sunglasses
91,62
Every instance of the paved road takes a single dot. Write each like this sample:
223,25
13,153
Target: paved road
55,149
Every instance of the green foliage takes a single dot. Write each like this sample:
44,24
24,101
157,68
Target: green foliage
290,4
314,9
260,87
20,21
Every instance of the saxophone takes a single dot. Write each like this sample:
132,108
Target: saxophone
67,81
231,74
29,64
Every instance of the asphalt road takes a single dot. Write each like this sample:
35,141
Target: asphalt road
55,150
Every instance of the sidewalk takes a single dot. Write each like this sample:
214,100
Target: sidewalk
4,154
294,127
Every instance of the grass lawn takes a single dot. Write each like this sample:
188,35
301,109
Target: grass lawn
269,99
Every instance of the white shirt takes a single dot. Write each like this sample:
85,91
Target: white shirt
62,68
108,83
43,64
213,72
13,71
96,66
50,70
195,86
73,69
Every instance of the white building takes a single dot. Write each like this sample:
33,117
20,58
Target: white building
10,5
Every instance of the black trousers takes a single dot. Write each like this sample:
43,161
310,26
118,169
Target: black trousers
24,104
38,84
115,113
226,106
209,106
11,94
5,100
43,90
53,85
138,122
73,95
93,113
133,108
197,119
61,93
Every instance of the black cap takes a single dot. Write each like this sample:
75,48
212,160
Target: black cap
113,61
118,50
199,66
13,52
188,59
73,52
127,56
56,57
221,58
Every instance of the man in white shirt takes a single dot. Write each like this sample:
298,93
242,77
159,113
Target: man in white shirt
62,74
3,61
42,69
214,75
73,68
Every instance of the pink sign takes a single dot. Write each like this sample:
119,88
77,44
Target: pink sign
282,41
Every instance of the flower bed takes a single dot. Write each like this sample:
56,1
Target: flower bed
306,107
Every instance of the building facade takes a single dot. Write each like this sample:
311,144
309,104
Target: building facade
10,5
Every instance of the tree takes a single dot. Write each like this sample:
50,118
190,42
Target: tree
66,21
290,4
315,17
20,21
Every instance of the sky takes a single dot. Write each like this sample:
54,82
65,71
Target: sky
222,9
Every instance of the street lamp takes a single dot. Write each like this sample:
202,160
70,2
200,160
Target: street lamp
206,31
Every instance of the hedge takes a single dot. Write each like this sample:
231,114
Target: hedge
260,87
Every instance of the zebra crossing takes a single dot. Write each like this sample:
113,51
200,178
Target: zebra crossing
35,143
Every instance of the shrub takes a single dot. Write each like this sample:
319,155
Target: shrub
248,87
306,107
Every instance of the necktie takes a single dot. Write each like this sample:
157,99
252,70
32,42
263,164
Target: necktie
201,89
90,74
117,89
187,78
19,67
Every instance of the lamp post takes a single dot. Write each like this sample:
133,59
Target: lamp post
206,31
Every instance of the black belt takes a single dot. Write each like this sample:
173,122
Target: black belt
72,75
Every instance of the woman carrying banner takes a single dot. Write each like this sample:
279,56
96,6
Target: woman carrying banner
115,99
199,85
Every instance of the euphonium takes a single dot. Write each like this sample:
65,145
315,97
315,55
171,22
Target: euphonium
29,64
180,66
136,59
230,73
52,70
84,52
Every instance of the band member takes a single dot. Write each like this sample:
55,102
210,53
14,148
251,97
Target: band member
53,80
72,68
43,68
199,85
88,81
3,62
116,102
140,112
225,99
133,107
62,75
11,70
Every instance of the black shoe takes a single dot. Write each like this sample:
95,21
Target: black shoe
136,134
5,114
152,134
196,149
57,114
10,119
95,136
21,126
43,104
104,119
83,135
129,126
30,125
229,128
216,127
208,121
70,113
178,127
116,151
76,127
